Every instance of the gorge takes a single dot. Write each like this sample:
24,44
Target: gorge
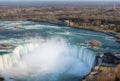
47,52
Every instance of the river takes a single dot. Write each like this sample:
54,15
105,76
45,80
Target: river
40,51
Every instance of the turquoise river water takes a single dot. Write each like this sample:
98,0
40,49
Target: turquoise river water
40,51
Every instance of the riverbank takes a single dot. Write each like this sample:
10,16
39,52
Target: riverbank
107,68
72,29
71,24
107,65
104,73
97,29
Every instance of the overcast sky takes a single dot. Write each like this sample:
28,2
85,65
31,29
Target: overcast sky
59,0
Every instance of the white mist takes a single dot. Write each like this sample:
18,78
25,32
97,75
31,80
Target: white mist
48,60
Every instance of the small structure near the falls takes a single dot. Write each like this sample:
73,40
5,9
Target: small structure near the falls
95,43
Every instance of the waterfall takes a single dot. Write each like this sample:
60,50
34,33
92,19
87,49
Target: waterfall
9,60
52,56
85,55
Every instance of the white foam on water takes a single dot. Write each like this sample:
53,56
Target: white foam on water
46,60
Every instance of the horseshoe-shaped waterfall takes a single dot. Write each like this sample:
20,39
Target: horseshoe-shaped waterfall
56,60
40,51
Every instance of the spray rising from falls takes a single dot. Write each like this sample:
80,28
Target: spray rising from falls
47,60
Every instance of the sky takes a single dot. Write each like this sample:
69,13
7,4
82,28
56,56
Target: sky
58,0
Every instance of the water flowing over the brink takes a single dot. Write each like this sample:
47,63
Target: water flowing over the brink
47,60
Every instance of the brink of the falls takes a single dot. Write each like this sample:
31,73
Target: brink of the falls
47,60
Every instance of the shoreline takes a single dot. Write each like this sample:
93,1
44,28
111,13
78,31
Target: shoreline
110,33
73,26
56,23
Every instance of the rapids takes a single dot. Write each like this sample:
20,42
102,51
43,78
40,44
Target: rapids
47,52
